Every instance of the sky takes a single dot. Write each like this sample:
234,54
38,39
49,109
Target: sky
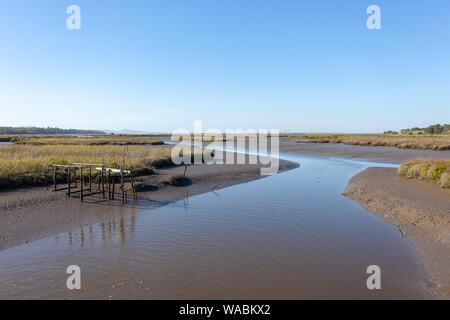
158,65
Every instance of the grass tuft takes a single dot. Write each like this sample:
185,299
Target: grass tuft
437,170
427,142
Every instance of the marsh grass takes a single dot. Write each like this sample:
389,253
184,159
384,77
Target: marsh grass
92,141
428,142
32,164
437,170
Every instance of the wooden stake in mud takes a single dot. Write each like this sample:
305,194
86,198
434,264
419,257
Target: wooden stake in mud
133,189
113,187
68,182
109,185
54,176
122,186
81,184
90,178
103,182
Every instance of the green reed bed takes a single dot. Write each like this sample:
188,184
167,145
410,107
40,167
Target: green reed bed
437,171
32,164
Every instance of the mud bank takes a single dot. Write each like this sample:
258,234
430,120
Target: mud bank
421,212
29,214
377,154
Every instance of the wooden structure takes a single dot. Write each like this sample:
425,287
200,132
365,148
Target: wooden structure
84,174
109,176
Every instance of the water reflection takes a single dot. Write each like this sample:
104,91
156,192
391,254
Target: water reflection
285,236
111,231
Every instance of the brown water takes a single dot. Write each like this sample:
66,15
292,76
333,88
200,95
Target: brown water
291,235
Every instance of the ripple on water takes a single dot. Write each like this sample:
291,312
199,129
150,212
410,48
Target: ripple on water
285,236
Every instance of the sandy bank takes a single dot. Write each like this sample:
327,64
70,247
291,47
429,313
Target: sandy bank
421,211
377,154
29,214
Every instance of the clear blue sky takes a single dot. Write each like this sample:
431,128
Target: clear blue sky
309,66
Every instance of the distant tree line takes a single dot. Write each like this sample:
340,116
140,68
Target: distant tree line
48,130
433,129
437,128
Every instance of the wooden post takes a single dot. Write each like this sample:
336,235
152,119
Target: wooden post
109,185
133,188
81,183
68,182
90,179
54,176
122,186
103,182
114,186
75,177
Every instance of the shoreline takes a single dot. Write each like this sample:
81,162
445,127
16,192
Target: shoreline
419,209
32,213
421,212
364,153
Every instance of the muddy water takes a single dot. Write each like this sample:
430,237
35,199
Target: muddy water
292,235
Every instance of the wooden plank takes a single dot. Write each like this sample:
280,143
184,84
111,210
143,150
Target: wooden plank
113,170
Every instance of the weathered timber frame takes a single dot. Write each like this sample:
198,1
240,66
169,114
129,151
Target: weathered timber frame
106,180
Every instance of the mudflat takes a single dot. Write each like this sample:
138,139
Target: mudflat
33,213
371,153
421,212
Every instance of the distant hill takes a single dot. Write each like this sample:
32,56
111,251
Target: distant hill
433,129
36,130
126,131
